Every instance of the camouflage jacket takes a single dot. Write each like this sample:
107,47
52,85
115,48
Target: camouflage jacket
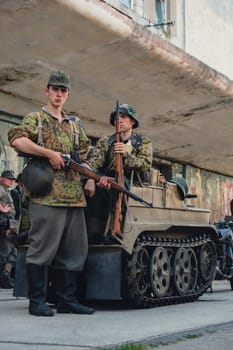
67,188
139,155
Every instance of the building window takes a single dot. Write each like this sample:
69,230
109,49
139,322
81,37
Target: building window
128,3
160,11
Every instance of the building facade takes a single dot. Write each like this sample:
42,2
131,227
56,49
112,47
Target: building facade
202,28
199,27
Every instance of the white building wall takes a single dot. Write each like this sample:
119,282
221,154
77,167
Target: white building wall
203,28
209,33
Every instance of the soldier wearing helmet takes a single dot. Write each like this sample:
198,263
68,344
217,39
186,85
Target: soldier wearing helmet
56,199
136,151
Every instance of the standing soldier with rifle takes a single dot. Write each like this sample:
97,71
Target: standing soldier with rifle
121,153
57,231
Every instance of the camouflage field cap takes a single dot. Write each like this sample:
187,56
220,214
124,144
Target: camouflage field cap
59,78
126,109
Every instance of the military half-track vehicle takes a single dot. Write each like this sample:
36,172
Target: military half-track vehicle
166,254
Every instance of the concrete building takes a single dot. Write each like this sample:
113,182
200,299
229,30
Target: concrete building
201,28
167,58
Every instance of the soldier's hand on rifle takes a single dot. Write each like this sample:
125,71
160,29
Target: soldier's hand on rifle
120,147
56,160
105,182
89,188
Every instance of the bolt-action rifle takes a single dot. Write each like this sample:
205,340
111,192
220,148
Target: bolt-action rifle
119,177
83,170
92,175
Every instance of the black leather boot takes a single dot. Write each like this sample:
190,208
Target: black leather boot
66,293
1,268
6,281
36,291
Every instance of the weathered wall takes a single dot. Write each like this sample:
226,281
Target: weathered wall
8,157
214,191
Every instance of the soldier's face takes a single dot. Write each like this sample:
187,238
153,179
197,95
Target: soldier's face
126,123
57,95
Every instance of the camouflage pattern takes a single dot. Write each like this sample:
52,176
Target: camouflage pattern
137,159
126,109
59,78
67,188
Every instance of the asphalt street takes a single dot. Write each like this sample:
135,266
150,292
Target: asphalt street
210,338
204,324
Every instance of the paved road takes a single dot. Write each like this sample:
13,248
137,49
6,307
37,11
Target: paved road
110,325
210,338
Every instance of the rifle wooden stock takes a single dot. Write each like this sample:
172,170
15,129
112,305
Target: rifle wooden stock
92,175
117,226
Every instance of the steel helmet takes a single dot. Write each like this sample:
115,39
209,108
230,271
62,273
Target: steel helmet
126,109
38,177
181,185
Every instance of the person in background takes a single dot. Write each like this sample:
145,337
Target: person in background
7,214
16,196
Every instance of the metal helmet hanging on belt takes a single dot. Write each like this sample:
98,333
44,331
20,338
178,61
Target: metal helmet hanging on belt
38,177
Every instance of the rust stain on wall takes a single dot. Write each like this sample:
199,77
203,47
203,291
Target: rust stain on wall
213,191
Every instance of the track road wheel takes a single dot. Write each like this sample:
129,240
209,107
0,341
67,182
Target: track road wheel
208,261
183,276
160,272
140,271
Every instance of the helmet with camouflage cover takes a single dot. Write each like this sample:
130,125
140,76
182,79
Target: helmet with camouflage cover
126,109
59,78
38,177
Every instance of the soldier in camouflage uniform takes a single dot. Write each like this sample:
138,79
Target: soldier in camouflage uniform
57,231
136,151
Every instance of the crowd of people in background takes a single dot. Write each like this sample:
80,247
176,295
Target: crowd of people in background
9,216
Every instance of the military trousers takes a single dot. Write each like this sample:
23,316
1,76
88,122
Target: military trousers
8,252
57,236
